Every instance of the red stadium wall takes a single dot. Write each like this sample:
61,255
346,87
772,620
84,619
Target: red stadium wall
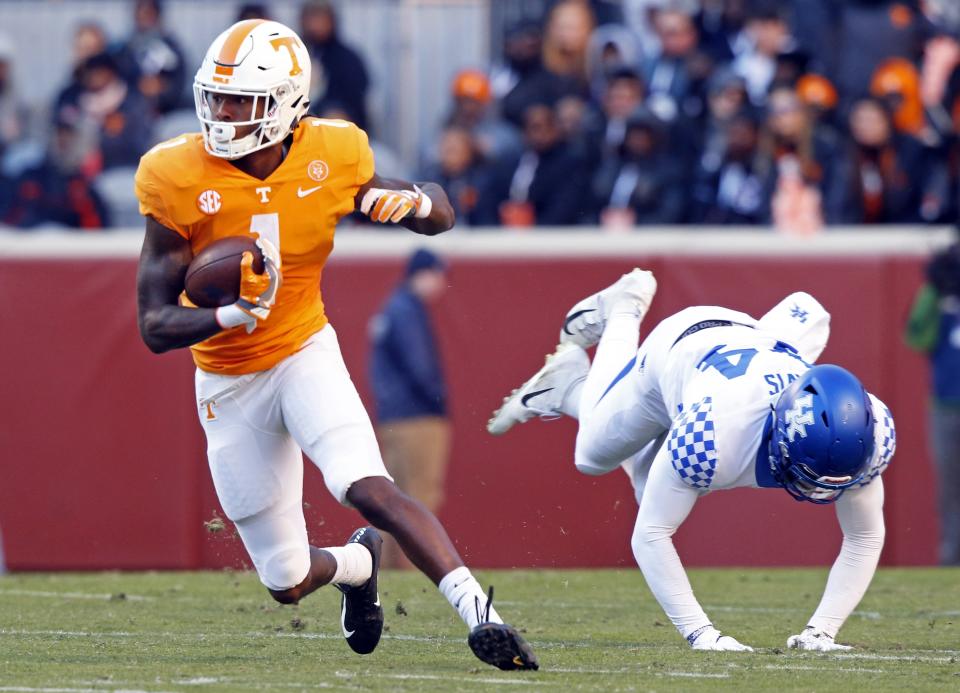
103,461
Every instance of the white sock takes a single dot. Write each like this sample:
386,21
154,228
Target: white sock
354,564
466,596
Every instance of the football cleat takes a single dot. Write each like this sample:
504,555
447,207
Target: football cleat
361,616
499,644
585,322
542,394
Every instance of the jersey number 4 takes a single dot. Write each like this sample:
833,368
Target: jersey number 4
731,364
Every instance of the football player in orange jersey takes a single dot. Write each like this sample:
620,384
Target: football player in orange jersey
270,379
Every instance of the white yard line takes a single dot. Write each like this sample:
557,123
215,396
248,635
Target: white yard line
895,658
870,615
77,595
438,677
28,689
692,675
820,669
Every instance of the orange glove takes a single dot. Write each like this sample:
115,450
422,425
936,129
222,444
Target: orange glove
258,292
395,205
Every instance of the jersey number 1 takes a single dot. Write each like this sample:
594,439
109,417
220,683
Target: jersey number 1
268,226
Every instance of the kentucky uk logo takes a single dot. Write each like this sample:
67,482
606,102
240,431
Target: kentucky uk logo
799,417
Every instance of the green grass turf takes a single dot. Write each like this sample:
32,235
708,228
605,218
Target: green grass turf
593,630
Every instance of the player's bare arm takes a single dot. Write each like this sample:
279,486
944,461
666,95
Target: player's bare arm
164,324
423,207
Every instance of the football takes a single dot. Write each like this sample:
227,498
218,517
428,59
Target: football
213,277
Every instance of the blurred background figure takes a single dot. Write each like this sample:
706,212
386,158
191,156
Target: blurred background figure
118,117
14,115
339,74
253,10
642,184
409,389
56,190
156,60
880,178
472,109
462,170
546,186
934,329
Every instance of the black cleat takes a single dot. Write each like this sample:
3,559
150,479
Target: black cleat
361,616
500,645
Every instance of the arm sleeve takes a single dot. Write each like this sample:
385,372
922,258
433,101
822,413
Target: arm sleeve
923,324
666,503
860,512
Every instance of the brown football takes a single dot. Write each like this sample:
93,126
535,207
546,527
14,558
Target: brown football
213,277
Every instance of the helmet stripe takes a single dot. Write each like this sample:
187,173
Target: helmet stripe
227,59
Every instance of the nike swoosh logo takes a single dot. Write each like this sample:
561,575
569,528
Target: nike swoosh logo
343,619
574,316
377,603
530,395
303,193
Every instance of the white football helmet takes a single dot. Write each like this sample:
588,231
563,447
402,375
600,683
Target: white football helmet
263,60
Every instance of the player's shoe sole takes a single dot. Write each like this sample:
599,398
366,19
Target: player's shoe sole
585,322
501,646
542,394
361,616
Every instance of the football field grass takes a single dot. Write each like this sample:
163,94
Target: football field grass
593,630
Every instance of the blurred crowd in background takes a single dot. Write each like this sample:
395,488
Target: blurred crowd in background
618,113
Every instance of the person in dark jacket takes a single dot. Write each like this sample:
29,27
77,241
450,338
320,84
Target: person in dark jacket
548,184
934,329
339,74
409,389
56,191
157,61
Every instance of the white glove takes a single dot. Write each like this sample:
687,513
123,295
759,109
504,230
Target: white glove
815,640
258,292
395,205
709,638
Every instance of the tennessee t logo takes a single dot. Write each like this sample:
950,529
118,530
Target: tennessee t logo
288,42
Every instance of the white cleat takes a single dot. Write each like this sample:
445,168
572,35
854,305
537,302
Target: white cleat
542,395
586,321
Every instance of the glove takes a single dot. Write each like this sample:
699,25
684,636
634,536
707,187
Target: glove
258,292
815,640
709,638
395,205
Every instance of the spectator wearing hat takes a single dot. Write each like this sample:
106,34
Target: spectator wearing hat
339,74
643,183
473,109
409,389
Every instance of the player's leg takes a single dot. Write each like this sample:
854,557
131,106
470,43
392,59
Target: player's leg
323,412
258,475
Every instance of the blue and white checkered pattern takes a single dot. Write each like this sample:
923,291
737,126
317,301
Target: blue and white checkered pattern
691,445
886,437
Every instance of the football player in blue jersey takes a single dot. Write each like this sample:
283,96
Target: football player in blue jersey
716,399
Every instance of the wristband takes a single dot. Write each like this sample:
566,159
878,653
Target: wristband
426,204
231,316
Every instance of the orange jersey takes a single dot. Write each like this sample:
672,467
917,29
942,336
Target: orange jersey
205,198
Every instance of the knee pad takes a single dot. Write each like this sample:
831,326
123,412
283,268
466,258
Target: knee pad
286,568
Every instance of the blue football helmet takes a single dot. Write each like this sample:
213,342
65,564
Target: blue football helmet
822,438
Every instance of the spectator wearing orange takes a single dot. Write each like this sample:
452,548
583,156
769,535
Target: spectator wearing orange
473,109
880,179
56,191
896,82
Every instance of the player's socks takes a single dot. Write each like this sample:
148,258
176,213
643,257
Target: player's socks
466,596
618,345
570,405
354,564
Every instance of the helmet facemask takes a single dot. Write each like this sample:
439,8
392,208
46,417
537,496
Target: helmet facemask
801,482
270,103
